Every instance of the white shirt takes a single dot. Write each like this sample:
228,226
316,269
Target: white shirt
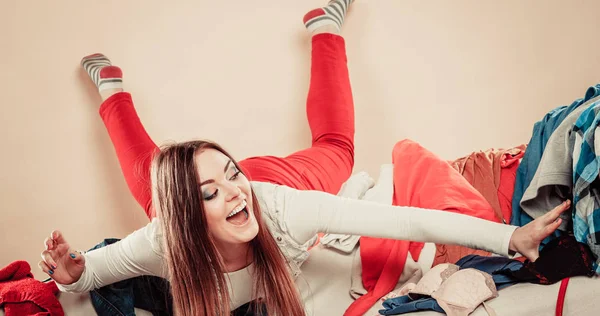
294,218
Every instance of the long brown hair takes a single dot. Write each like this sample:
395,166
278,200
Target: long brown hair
196,270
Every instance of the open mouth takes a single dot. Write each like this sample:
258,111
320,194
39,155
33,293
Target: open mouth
239,215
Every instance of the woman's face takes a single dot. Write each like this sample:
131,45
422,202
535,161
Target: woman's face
227,198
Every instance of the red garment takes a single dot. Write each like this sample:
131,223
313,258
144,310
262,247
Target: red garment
421,179
483,170
325,166
21,294
508,177
492,173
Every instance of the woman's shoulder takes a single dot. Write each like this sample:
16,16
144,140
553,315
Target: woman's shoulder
272,198
273,201
265,193
153,234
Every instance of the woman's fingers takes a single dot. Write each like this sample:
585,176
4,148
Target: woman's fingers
48,244
550,228
551,216
77,257
45,267
58,237
47,257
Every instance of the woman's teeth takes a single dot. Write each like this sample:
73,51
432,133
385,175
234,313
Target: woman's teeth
238,209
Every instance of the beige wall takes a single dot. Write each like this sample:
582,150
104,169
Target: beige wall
456,76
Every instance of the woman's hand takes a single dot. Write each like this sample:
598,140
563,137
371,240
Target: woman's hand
62,263
526,240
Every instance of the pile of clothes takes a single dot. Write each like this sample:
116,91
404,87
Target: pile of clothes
561,163
521,184
513,186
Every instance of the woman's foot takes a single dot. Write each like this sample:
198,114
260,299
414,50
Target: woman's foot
108,78
327,19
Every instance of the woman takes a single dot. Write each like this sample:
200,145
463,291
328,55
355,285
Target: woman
223,240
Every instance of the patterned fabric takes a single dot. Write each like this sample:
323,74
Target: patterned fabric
586,167
542,131
333,14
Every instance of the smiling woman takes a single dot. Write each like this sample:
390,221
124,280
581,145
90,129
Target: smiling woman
223,207
213,190
225,234
200,230
211,261
196,186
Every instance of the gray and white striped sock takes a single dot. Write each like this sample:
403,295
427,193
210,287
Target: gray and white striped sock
333,14
102,72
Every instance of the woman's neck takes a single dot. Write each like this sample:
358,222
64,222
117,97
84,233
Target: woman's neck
236,257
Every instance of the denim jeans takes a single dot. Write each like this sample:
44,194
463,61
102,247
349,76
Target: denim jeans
145,292
149,293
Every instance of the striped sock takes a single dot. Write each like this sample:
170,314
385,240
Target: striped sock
333,14
102,72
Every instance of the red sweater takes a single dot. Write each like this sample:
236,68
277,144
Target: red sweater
21,294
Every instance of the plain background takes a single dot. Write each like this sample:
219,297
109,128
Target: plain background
456,76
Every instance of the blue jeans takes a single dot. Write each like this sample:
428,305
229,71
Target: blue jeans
149,293
145,292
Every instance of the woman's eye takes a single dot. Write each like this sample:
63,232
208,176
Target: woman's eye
212,196
235,175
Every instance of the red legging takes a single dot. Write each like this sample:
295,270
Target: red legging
324,166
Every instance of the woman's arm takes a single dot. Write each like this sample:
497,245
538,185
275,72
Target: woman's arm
307,213
140,253
310,212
